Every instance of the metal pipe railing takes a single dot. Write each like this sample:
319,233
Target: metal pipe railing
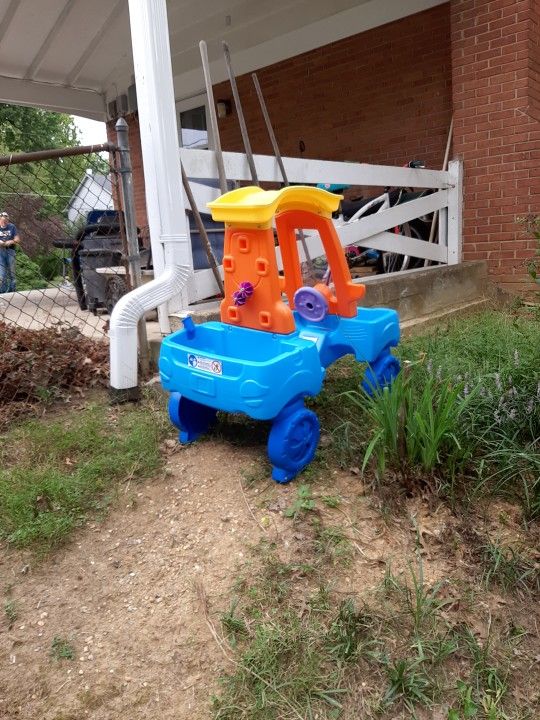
20,158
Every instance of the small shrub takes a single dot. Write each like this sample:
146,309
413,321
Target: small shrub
532,264
233,625
303,503
506,567
28,273
350,633
11,612
409,682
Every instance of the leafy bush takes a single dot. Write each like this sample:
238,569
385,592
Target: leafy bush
533,263
28,273
50,264
464,411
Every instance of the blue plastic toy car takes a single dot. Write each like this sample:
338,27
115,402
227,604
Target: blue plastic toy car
267,355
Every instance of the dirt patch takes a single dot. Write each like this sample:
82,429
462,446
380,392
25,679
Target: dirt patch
124,594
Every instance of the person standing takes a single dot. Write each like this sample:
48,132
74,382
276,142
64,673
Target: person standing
9,239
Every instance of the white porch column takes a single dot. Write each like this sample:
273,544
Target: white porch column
169,231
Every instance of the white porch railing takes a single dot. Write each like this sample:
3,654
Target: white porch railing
372,231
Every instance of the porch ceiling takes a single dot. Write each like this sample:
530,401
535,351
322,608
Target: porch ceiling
74,55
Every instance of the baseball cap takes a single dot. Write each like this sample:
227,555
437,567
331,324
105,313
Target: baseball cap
4,214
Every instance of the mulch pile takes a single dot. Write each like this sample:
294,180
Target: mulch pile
38,366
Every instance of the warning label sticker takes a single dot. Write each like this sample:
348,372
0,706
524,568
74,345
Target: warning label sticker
207,364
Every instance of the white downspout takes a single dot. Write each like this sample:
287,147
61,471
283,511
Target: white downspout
123,328
169,232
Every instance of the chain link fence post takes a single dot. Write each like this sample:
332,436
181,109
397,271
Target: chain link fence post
130,224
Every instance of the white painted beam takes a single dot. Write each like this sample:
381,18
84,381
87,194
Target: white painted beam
401,244
46,44
87,102
379,222
202,164
93,45
455,213
8,17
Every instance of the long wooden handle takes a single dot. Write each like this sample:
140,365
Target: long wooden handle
241,119
269,127
202,231
213,117
275,148
435,218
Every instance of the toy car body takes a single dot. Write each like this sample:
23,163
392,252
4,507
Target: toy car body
267,355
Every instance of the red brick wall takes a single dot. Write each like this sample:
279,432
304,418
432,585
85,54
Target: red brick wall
495,91
534,60
383,96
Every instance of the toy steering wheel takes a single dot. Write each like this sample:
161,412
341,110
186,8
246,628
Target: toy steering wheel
310,304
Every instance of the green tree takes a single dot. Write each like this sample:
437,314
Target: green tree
36,194
26,129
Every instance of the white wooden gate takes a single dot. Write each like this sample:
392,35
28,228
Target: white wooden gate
372,231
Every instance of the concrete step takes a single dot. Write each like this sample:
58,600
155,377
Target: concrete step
419,293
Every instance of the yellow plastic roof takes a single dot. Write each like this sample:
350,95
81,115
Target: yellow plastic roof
253,206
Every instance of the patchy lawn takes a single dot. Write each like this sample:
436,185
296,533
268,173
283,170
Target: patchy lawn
55,472
398,577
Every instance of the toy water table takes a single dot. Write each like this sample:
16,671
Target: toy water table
268,354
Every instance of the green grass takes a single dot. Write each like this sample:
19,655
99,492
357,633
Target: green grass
54,474
478,344
11,612
407,681
305,661
457,423
332,543
302,504
233,626
507,568
418,427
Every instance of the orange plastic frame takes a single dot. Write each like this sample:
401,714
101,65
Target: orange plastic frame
249,255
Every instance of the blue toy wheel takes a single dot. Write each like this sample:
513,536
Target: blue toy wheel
381,373
192,418
292,442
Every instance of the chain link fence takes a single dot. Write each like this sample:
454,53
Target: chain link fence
64,274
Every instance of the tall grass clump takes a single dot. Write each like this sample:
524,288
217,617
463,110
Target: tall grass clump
466,410
416,425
